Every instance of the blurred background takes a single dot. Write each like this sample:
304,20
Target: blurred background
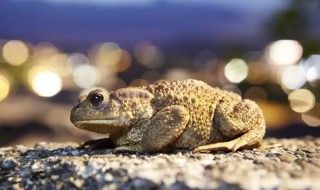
53,50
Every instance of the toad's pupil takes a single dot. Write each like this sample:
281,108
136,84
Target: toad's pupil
96,99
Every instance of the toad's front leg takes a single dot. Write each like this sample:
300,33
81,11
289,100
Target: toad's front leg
165,126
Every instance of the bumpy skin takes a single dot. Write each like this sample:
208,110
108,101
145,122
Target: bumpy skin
172,115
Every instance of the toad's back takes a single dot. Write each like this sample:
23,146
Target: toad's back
200,100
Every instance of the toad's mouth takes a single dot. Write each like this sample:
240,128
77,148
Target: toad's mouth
98,126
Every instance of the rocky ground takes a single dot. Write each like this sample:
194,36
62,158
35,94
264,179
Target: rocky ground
278,164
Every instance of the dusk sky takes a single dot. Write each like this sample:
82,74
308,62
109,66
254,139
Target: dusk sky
73,25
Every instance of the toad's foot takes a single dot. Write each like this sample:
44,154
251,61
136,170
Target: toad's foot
224,146
128,149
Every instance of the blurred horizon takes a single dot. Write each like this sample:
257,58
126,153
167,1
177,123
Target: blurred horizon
53,50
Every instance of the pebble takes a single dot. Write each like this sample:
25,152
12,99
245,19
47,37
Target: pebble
9,163
286,158
75,152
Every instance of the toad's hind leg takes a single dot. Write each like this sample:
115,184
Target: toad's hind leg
243,122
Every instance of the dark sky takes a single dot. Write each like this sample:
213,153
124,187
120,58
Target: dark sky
75,26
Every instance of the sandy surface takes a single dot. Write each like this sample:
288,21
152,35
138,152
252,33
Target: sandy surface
279,164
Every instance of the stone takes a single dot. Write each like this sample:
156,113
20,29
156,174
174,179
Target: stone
9,163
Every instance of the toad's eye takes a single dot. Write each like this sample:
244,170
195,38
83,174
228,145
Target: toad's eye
96,99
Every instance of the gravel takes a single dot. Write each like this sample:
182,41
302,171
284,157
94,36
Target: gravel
278,164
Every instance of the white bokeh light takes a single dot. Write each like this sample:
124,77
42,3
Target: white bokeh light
312,67
284,52
236,70
86,76
293,78
46,84
75,60
313,60
313,74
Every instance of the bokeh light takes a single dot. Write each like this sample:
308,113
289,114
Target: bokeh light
301,100
124,62
312,67
236,70
35,70
284,52
293,77
59,63
311,120
15,52
177,74
86,76
75,60
313,74
44,51
109,54
148,55
313,60
4,87
46,84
